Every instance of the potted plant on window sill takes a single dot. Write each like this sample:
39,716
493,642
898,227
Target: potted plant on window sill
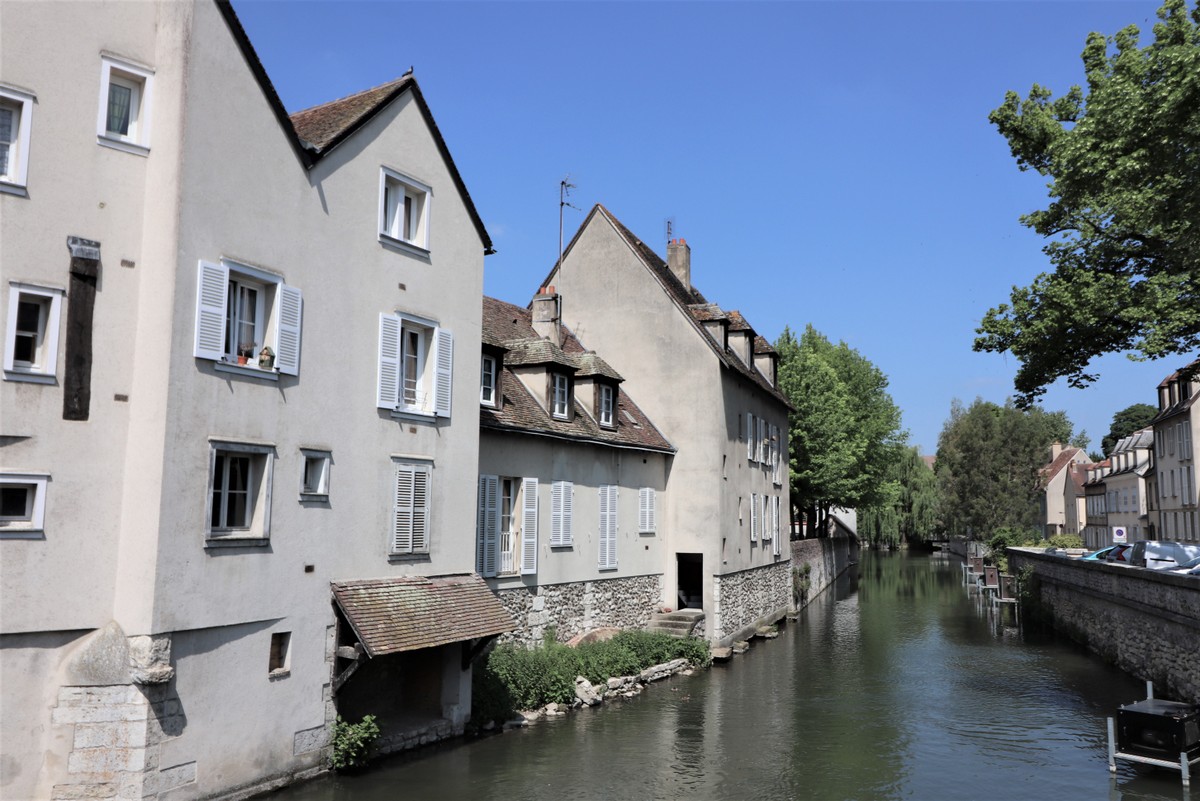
245,352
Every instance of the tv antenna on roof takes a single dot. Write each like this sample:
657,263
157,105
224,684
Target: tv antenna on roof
670,226
564,191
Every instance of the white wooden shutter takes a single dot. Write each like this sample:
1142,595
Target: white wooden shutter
420,528
212,286
762,439
750,436
529,526
776,548
646,516
443,371
487,526
753,517
608,526
402,511
560,512
387,392
288,305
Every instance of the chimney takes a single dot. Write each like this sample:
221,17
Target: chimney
1055,449
547,314
679,259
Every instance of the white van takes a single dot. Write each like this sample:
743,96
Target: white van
1162,555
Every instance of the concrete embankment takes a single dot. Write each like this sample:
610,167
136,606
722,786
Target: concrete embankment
1146,622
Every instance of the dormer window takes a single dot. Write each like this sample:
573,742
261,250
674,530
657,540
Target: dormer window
560,396
487,381
605,406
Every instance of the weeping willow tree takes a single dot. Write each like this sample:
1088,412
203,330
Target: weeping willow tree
908,509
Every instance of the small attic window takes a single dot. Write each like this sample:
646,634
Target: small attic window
403,210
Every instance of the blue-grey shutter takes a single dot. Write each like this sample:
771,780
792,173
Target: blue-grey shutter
529,526
443,371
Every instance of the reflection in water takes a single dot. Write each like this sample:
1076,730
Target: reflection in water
898,684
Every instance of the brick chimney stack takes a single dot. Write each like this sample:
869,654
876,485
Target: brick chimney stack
679,259
547,314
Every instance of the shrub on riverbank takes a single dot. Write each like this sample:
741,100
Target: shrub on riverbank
513,678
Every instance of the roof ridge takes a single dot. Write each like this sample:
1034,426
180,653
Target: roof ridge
383,85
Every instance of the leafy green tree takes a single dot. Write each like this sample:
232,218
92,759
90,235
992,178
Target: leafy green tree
1125,422
908,512
988,464
1123,163
845,430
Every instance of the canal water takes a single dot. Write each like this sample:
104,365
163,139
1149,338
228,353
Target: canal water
898,683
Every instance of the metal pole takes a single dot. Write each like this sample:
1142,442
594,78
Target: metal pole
1149,690
1112,747
1183,769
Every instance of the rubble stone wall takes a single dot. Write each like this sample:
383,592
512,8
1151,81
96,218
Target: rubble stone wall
1146,622
577,607
750,598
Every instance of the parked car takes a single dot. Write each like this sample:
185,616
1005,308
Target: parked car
1188,568
1161,555
1119,555
1100,555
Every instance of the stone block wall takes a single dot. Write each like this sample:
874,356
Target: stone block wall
1146,622
748,599
115,735
827,558
577,607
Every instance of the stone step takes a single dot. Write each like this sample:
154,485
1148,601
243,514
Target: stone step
676,624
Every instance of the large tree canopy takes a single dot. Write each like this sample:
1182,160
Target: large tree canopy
845,431
1125,422
1124,215
988,464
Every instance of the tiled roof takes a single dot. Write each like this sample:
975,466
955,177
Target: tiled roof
761,345
535,350
321,125
737,322
1076,477
707,311
1067,456
407,613
1183,404
520,412
689,299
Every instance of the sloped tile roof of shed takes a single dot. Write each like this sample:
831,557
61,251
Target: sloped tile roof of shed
408,613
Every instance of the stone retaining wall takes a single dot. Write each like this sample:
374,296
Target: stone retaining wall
828,557
1146,622
748,599
578,607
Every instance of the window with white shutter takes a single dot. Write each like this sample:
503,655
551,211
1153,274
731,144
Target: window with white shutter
647,522
776,548
608,527
486,525
751,429
765,518
247,317
561,496
415,367
754,517
762,440
410,509
529,526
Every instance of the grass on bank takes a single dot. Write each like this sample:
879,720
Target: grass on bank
512,678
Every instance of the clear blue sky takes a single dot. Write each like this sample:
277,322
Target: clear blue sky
829,163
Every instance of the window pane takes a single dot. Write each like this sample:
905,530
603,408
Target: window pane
28,331
410,367
8,130
15,502
119,99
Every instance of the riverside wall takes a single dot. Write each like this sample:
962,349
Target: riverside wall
827,558
1146,622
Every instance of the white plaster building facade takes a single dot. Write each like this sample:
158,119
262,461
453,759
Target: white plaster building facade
1125,486
572,478
1176,429
708,382
182,533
